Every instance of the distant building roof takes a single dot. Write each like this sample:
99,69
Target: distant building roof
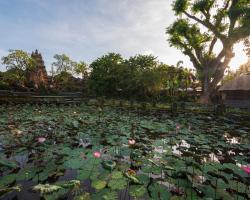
241,82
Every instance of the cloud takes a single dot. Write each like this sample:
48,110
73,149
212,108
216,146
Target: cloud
87,29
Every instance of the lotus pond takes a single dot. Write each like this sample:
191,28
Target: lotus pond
87,152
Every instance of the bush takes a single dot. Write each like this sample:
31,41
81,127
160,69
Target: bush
4,86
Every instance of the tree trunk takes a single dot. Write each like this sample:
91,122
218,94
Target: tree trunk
205,96
210,83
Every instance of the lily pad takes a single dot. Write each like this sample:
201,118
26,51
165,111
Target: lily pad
137,191
99,184
117,184
108,164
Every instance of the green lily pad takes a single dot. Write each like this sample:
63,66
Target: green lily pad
116,175
110,196
109,164
99,184
8,179
117,184
159,192
85,196
9,164
137,191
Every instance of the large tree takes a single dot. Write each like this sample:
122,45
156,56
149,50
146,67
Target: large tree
17,63
18,60
63,63
105,75
139,77
201,25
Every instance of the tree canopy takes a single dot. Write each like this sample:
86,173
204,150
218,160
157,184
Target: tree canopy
17,63
201,25
140,77
63,63
80,68
18,59
104,76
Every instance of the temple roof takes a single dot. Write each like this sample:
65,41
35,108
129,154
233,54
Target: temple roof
241,82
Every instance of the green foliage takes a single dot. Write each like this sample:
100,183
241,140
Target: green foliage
187,37
109,164
8,164
110,196
141,76
63,63
104,78
140,62
116,175
80,68
117,184
170,165
202,25
180,5
137,191
159,192
99,184
7,180
17,63
18,59
65,81
202,6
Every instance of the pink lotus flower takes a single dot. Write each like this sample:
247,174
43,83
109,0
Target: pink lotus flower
131,142
97,154
177,127
41,139
246,169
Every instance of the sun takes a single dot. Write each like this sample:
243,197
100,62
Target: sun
239,58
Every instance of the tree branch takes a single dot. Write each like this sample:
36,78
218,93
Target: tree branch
208,25
239,33
232,20
193,58
211,47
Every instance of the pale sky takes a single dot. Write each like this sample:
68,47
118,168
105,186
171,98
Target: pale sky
87,29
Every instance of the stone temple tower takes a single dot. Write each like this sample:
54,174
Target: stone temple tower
38,75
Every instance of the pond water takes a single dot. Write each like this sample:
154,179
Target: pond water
85,152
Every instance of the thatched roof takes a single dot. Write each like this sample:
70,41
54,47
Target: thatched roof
240,83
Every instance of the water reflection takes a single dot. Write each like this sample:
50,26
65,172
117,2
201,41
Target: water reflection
232,140
160,149
25,193
211,158
20,159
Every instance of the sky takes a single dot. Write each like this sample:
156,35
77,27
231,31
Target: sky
88,29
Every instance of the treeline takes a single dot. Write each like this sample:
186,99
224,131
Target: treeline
138,77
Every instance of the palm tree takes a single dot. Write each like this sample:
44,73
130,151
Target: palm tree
81,68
